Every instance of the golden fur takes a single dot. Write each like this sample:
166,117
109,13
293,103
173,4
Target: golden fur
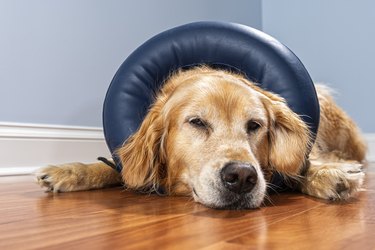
170,151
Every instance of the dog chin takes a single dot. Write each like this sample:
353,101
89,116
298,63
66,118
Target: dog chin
229,201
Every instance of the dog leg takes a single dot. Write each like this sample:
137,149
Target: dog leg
77,177
333,180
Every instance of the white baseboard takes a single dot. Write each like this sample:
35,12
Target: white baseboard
26,147
370,138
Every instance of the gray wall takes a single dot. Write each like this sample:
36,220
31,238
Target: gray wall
335,41
57,58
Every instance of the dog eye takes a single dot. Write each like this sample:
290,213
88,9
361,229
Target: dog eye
197,122
252,126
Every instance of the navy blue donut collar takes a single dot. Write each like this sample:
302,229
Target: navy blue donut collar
260,57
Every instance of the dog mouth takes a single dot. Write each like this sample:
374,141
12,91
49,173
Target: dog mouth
229,201
195,192
237,205
238,202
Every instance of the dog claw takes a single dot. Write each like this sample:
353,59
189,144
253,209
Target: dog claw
43,177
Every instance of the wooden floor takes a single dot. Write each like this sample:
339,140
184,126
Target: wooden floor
117,219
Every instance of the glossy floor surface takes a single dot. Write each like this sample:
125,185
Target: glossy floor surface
117,219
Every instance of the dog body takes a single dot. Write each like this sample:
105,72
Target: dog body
218,137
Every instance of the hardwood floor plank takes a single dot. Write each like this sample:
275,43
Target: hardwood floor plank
330,226
113,218
191,231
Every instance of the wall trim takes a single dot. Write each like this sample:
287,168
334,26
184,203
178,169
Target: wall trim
370,138
27,147
45,131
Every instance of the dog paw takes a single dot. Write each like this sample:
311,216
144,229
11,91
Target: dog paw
335,182
57,178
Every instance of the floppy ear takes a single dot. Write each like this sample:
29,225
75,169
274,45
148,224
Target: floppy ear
289,138
143,155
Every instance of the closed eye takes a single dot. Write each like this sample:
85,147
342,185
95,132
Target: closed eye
198,123
252,126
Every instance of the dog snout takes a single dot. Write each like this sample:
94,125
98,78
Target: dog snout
239,177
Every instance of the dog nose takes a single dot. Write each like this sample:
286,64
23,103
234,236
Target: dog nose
239,177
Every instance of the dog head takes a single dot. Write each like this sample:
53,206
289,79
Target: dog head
216,136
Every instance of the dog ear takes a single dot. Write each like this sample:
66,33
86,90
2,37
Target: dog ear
289,138
143,155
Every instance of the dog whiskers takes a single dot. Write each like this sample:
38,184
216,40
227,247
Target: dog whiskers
272,187
268,198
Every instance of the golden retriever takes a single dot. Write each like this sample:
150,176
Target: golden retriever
216,136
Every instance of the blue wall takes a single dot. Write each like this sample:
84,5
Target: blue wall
57,58
335,41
